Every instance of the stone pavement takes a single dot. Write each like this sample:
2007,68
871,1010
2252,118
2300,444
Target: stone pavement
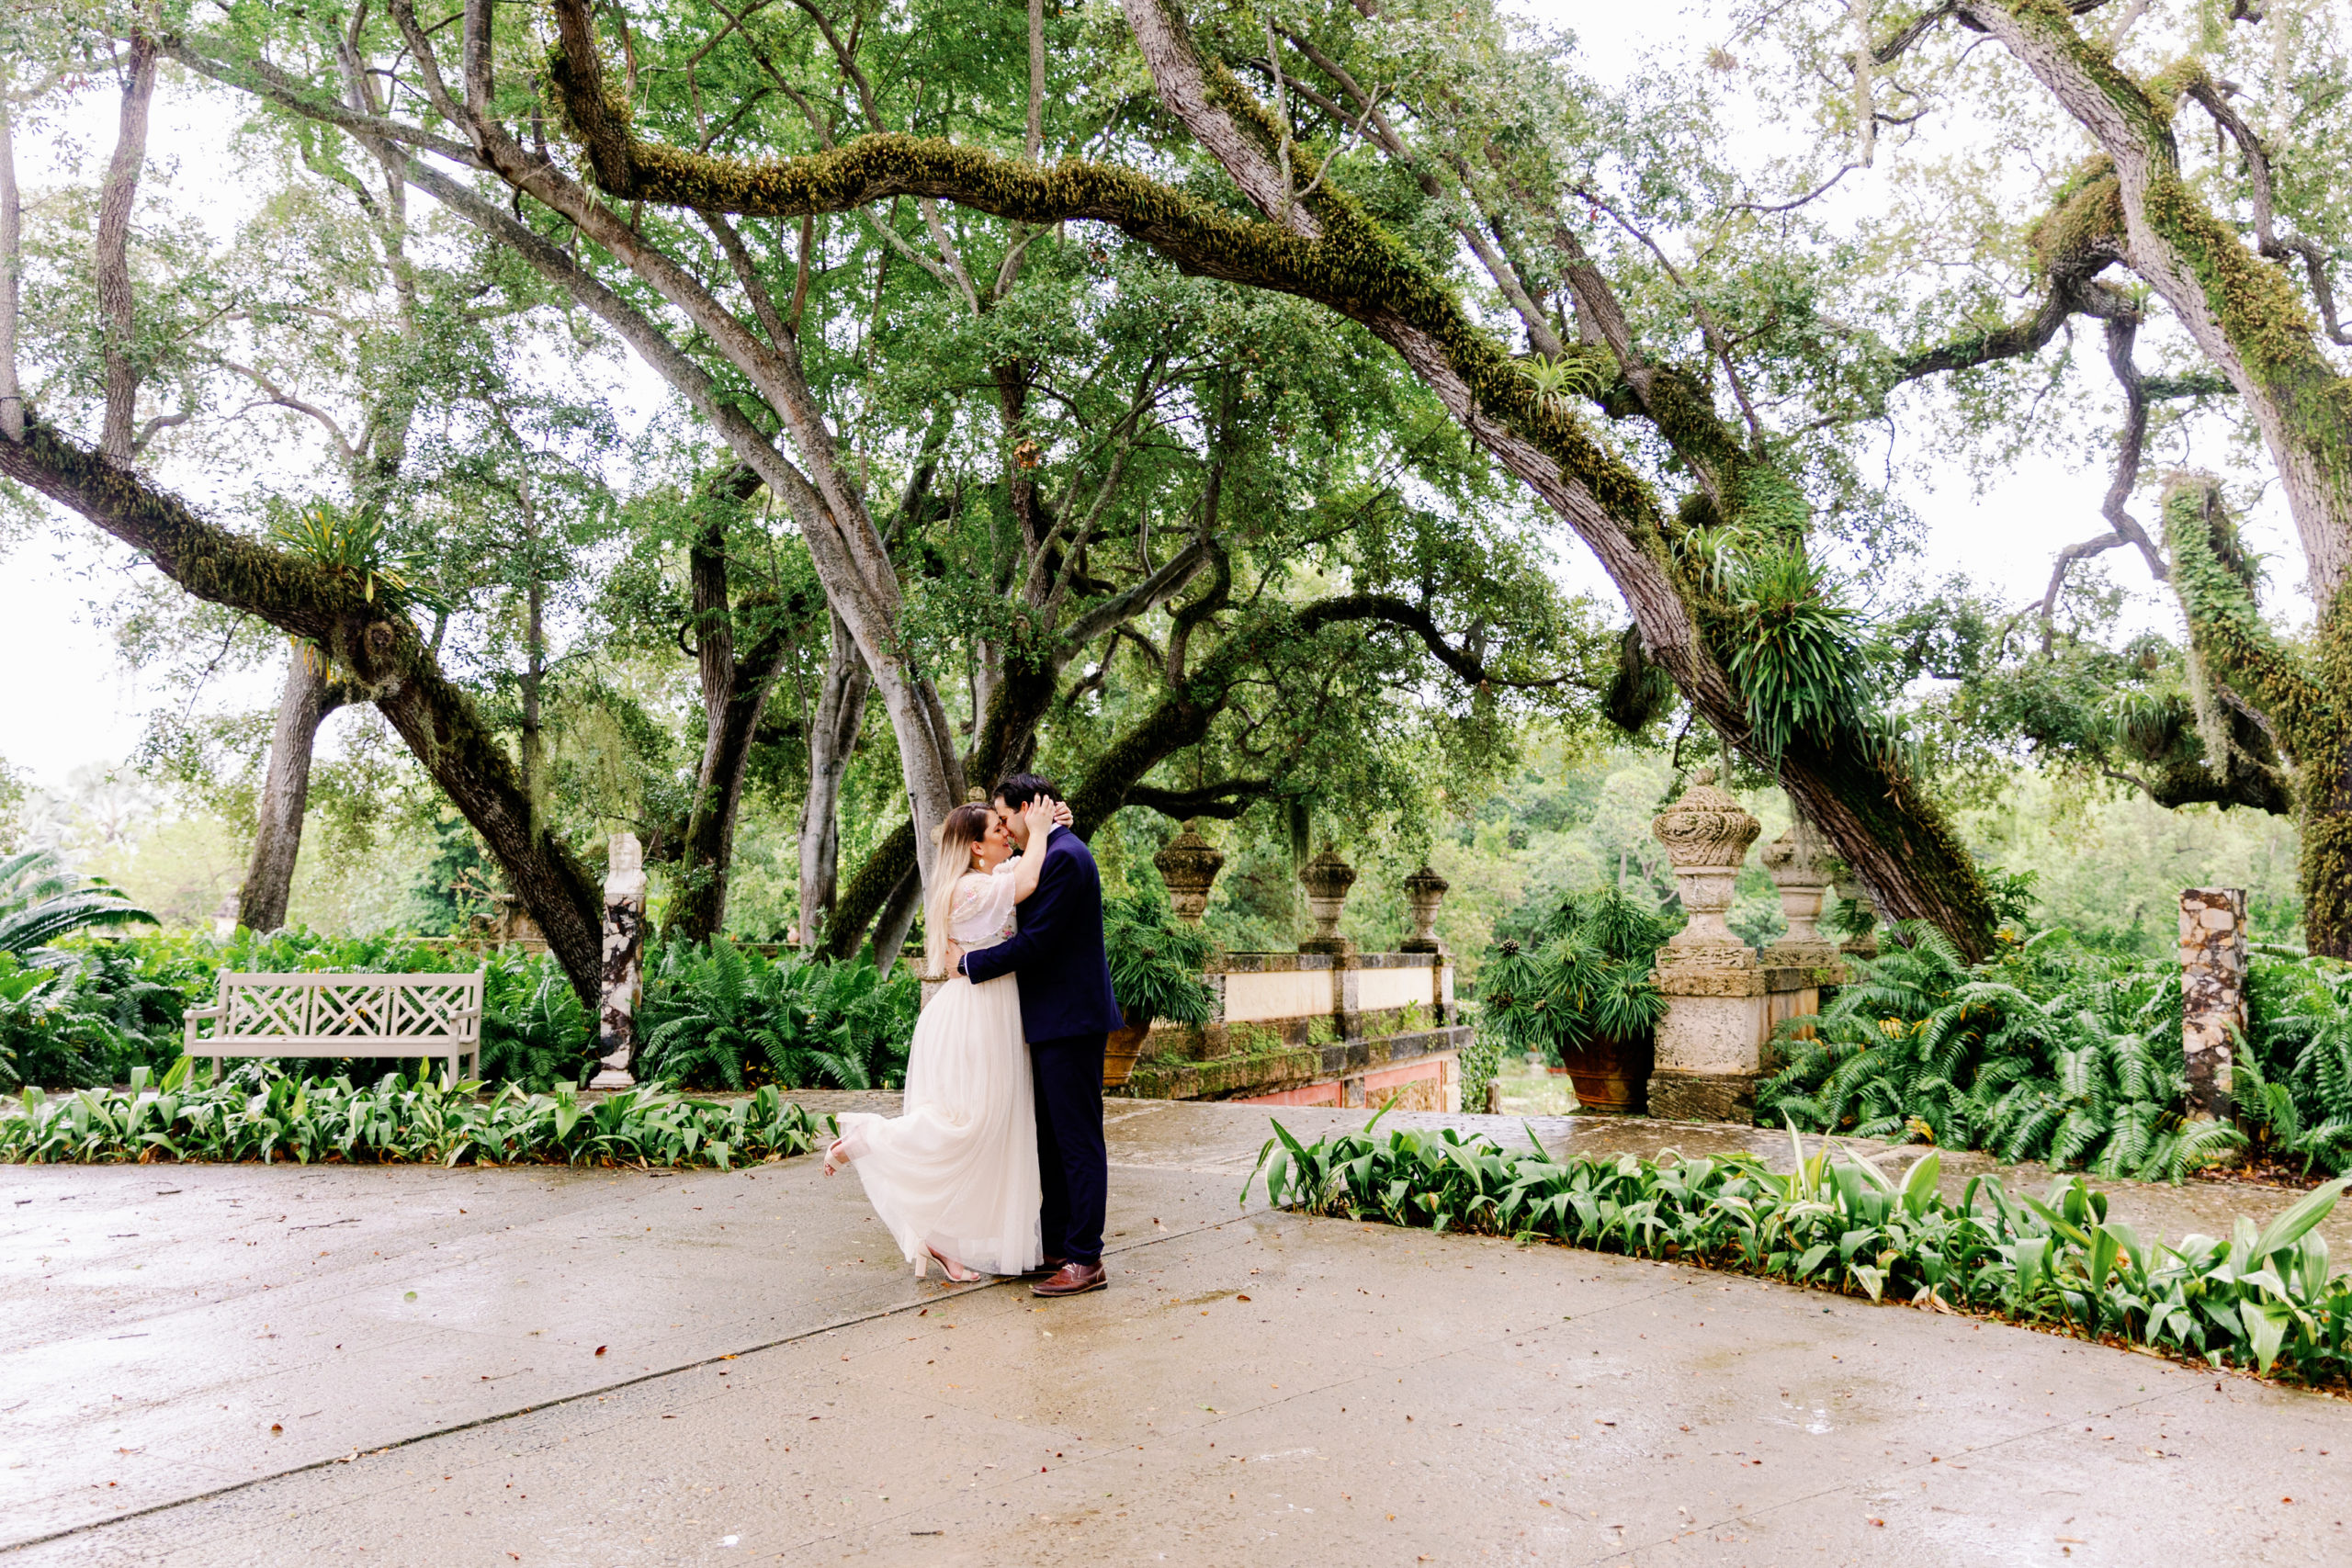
248,1365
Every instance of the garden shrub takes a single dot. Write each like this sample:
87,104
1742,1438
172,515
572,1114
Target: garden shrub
724,1017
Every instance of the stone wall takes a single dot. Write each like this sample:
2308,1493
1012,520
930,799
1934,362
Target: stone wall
1315,1029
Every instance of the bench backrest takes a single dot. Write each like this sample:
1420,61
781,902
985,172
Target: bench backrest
353,1014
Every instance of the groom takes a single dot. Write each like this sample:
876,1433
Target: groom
1066,1009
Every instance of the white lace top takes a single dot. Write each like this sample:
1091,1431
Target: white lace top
980,915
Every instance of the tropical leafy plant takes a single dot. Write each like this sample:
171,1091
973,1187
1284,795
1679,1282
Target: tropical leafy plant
2262,1297
1155,959
2046,1053
261,1113
1583,974
535,1033
720,1015
42,901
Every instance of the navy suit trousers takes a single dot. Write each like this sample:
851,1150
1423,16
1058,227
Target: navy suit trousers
1074,1165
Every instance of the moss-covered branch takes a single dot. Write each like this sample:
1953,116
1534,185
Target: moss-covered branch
391,663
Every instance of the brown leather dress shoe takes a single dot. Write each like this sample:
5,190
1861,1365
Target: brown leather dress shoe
1071,1280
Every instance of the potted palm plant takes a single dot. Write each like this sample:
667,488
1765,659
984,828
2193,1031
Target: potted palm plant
1156,964
1578,992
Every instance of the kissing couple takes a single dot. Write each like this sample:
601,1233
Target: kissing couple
996,1163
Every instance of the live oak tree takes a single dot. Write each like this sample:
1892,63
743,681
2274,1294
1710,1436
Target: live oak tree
336,612
2191,161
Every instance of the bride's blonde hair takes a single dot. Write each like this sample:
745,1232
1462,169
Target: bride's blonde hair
966,826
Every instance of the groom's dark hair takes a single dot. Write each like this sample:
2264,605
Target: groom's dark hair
1017,790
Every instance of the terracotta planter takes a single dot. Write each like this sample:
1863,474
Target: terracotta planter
1610,1074
1120,1049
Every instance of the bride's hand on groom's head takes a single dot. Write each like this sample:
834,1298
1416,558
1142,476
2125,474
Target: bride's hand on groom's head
1042,814
1062,818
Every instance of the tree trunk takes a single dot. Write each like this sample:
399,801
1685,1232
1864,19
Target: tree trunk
1324,249
118,324
734,695
12,402
833,737
309,696
2239,307
897,919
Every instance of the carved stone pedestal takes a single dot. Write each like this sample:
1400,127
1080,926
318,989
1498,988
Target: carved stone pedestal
1710,1045
1189,863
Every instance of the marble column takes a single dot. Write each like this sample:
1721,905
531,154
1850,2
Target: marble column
624,980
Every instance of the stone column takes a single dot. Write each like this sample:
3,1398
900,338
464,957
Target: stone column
1710,1045
2212,990
1800,864
1424,891
1326,879
624,977
1188,865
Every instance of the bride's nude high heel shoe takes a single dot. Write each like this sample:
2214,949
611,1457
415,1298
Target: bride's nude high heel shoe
957,1273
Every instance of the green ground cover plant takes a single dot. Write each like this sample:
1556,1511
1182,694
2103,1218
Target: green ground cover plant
2260,1298
2051,1052
260,1113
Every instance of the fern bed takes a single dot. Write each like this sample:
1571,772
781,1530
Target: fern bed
2051,1053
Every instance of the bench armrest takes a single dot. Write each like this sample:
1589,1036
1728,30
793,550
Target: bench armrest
201,1012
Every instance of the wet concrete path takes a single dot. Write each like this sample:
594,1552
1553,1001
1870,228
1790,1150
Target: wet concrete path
247,1365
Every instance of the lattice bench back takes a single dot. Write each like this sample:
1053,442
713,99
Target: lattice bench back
327,1014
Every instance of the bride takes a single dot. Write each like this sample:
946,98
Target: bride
954,1175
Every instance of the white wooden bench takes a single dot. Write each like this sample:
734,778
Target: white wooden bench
328,1014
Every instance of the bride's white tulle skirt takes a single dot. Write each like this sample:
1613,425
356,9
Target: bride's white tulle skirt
957,1168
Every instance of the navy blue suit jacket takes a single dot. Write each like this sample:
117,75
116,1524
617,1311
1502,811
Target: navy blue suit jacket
1057,952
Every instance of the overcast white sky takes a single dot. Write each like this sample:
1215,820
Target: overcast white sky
71,702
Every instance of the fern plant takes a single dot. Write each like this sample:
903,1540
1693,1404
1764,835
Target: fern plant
535,1033
42,901
2047,1053
721,1015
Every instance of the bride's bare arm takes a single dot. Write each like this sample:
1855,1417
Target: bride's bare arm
1041,817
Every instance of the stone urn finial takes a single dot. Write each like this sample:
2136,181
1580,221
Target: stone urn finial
1802,866
1326,879
1424,891
1189,863
1706,834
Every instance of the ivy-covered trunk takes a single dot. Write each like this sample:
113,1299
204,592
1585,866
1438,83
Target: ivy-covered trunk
2304,699
390,664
